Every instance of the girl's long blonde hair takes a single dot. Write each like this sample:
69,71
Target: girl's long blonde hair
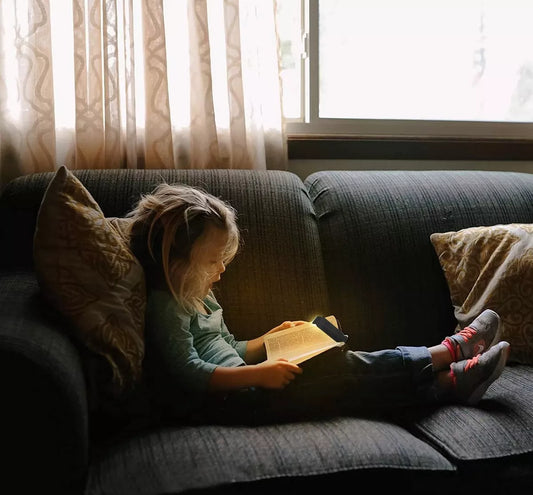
165,225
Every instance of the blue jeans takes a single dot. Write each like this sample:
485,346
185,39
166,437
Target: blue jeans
340,382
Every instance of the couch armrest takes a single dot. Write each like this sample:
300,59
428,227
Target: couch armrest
44,430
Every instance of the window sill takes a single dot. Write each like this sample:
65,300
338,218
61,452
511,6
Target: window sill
412,148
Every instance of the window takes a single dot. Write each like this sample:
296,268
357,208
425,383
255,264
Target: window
413,71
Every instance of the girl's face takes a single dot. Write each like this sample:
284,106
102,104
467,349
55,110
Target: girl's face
208,253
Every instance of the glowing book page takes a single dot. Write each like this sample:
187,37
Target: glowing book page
299,343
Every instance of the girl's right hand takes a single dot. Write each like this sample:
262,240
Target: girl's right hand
276,374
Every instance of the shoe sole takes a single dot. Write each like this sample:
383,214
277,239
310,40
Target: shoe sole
476,395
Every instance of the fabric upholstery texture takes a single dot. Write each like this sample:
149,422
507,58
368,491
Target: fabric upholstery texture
87,271
386,284
492,267
495,429
271,205
44,398
189,458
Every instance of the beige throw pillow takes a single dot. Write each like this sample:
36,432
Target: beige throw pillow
87,271
492,268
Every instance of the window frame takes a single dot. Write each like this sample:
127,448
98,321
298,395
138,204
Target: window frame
315,137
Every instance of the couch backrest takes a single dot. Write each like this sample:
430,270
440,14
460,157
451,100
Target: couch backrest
385,281
279,273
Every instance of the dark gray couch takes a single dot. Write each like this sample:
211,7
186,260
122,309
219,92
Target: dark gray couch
352,244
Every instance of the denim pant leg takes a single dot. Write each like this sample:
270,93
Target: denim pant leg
339,382
388,378
345,382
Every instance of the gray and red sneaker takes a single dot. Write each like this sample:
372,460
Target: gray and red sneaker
472,377
476,338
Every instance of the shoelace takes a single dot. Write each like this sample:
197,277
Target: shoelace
467,333
471,362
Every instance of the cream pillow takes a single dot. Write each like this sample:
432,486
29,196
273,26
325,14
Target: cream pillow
87,271
492,268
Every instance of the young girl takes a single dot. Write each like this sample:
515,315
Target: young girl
197,370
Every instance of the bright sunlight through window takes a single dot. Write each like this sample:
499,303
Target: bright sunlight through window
425,60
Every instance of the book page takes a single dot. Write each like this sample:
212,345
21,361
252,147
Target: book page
299,343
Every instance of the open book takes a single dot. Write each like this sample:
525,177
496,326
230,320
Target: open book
300,343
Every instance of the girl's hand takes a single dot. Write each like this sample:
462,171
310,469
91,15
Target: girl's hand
286,324
276,374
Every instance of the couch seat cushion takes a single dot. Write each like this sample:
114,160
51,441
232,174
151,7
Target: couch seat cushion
175,459
498,428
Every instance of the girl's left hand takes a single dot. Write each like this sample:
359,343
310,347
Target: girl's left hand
287,324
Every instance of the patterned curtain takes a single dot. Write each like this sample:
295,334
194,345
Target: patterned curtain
139,84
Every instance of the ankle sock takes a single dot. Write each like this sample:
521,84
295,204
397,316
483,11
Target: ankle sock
450,348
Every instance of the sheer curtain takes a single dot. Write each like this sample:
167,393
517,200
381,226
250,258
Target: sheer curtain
139,84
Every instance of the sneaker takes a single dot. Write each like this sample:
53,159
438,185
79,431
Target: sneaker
472,377
478,337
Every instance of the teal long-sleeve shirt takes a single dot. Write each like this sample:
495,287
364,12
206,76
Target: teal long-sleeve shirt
182,350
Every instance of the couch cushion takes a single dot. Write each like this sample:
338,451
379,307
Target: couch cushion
44,406
87,271
174,460
492,267
386,283
279,232
498,429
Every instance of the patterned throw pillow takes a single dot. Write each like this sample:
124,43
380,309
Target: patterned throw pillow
87,271
492,268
